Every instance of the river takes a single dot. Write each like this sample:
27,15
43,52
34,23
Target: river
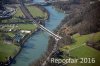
37,44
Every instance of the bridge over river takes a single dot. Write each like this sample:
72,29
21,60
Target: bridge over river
29,16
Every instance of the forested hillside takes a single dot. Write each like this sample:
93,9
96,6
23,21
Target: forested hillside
80,30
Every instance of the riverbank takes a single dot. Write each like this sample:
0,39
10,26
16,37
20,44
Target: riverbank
44,10
38,12
76,33
51,46
22,42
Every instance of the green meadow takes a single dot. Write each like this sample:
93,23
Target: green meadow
79,49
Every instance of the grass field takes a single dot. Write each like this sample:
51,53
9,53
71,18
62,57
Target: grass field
11,34
95,37
7,50
27,26
20,26
86,52
18,12
36,12
79,49
78,41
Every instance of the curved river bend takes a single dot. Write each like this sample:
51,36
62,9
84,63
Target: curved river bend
37,44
